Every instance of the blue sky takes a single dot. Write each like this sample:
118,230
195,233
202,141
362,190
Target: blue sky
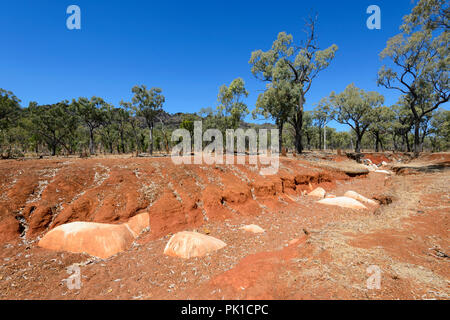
188,48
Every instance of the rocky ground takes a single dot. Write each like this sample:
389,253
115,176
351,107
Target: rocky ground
308,250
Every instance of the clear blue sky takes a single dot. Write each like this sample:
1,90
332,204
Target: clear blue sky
188,48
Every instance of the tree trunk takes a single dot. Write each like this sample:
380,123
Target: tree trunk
358,143
91,141
377,141
298,139
122,141
422,139
280,136
320,138
308,141
136,138
406,138
394,140
416,137
298,124
150,143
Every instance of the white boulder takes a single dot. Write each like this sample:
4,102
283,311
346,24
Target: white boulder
317,193
357,196
253,228
344,202
188,244
101,240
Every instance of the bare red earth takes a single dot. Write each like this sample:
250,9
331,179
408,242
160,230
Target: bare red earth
308,250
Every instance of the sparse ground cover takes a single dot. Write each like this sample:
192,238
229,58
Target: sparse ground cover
308,250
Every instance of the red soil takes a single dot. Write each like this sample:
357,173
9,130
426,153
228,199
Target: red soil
308,250
376,158
47,193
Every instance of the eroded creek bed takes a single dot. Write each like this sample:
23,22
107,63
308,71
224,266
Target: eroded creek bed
330,259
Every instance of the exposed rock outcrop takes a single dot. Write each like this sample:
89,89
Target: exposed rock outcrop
187,244
344,202
253,228
317,193
97,239
357,196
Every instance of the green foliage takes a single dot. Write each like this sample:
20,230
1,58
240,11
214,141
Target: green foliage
148,105
420,57
429,15
440,130
148,102
278,102
417,66
290,69
322,114
383,121
231,107
355,107
9,109
92,116
56,124
188,124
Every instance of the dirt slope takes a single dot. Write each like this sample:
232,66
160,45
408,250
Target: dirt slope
307,251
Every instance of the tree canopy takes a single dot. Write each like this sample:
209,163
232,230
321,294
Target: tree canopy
420,62
293,67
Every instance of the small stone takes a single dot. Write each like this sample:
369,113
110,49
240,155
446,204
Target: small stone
253,228
317,193
188,244
357,196
344,202
383,171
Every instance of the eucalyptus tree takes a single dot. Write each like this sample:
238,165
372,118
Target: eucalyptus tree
322,114
355,108
148,105
308,128
9,109
121,118
278,103
420,57
109,131
188,124
54,123
429,15
9,113
91,115
440,130
133,121
231,105
383,118
298,64
340,140
403,123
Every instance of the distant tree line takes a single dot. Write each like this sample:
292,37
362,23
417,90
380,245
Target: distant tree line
417,67
418,61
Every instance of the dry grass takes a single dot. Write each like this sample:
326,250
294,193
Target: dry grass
348,167
349,261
